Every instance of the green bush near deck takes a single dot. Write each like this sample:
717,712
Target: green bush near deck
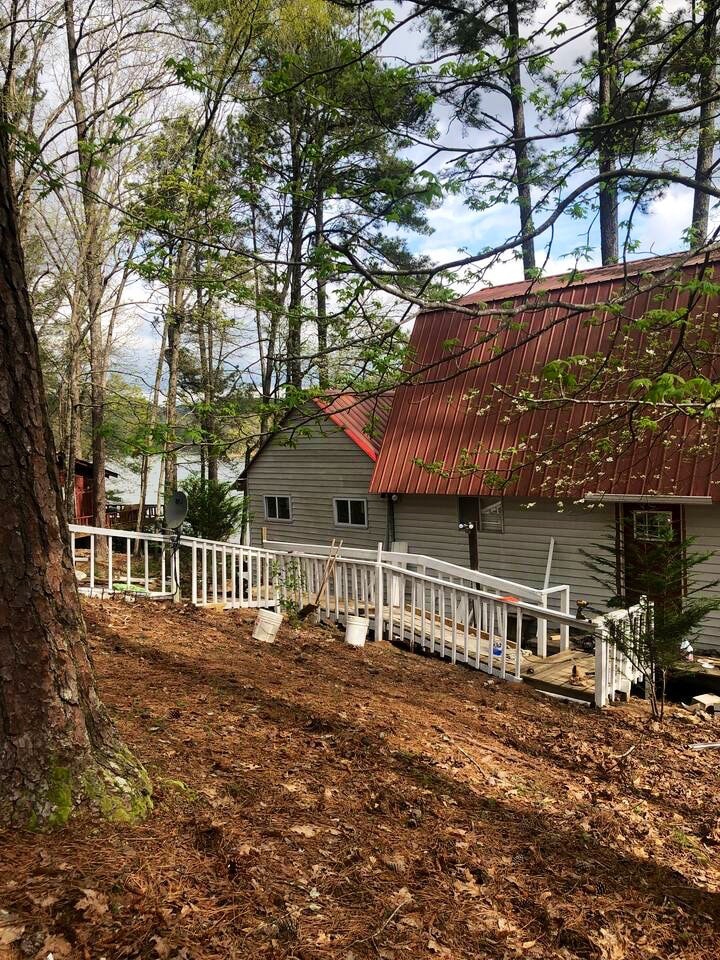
215,511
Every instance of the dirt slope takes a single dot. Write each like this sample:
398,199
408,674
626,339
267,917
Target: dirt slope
318,801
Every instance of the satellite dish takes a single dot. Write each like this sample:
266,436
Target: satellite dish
176,510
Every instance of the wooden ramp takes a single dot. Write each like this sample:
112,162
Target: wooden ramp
452,641
570,673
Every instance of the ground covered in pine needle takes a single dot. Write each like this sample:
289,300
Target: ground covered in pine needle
313,801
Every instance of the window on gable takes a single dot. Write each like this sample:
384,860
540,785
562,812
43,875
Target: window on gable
278,508
350,513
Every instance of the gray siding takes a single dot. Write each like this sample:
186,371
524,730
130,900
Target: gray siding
320,467
703,523
430,524
329,465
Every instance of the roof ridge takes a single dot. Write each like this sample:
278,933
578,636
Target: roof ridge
578,276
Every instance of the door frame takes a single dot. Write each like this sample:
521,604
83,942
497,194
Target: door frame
622,515
472,535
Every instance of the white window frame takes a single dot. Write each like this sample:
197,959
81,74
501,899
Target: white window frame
276,496
489,510
349,500
647,513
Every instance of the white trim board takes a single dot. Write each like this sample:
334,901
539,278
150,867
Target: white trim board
635,498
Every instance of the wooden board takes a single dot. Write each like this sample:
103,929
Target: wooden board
555,673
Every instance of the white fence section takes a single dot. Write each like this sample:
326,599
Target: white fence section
468,616
615,671
111,561
555,598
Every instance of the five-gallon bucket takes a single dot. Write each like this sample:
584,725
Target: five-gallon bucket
267,625
356,629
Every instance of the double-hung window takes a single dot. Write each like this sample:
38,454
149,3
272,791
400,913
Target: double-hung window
350,513
278,508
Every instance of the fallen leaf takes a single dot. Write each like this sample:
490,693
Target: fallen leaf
10,933
305,830
396,862
55,947
402,897
162,947
93,905
438,948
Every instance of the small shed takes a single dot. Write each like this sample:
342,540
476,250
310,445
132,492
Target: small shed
83,487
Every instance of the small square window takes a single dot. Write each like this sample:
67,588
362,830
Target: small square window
350,513
278,508
492,518
652,525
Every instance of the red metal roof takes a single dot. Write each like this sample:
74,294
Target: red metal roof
472,438
363,419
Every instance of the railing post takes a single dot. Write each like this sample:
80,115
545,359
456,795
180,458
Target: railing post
542,629
601,652
177,594
193,587
565,627
379,600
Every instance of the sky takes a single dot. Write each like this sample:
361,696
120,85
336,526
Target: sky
455,228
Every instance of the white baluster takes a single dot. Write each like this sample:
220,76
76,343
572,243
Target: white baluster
193,588
518,642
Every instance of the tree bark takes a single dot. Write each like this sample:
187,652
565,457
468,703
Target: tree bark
321,289
297,221
522,153
707,89
154,411
607,161
93,272
58,747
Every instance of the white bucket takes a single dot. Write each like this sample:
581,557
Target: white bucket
267,625
356,629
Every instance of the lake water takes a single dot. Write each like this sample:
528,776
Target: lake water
126,486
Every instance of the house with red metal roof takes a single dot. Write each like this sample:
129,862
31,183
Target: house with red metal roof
520,437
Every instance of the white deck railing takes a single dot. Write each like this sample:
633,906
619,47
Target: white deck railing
454,573
466,615
615,671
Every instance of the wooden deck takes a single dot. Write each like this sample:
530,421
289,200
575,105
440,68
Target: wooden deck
570,673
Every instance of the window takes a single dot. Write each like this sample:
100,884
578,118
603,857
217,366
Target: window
350,513
652,525
278,508
492,518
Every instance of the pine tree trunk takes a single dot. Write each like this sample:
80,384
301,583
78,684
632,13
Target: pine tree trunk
607,161
174,337
707,89
321,293
297,221
522,154
93,275
58,747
